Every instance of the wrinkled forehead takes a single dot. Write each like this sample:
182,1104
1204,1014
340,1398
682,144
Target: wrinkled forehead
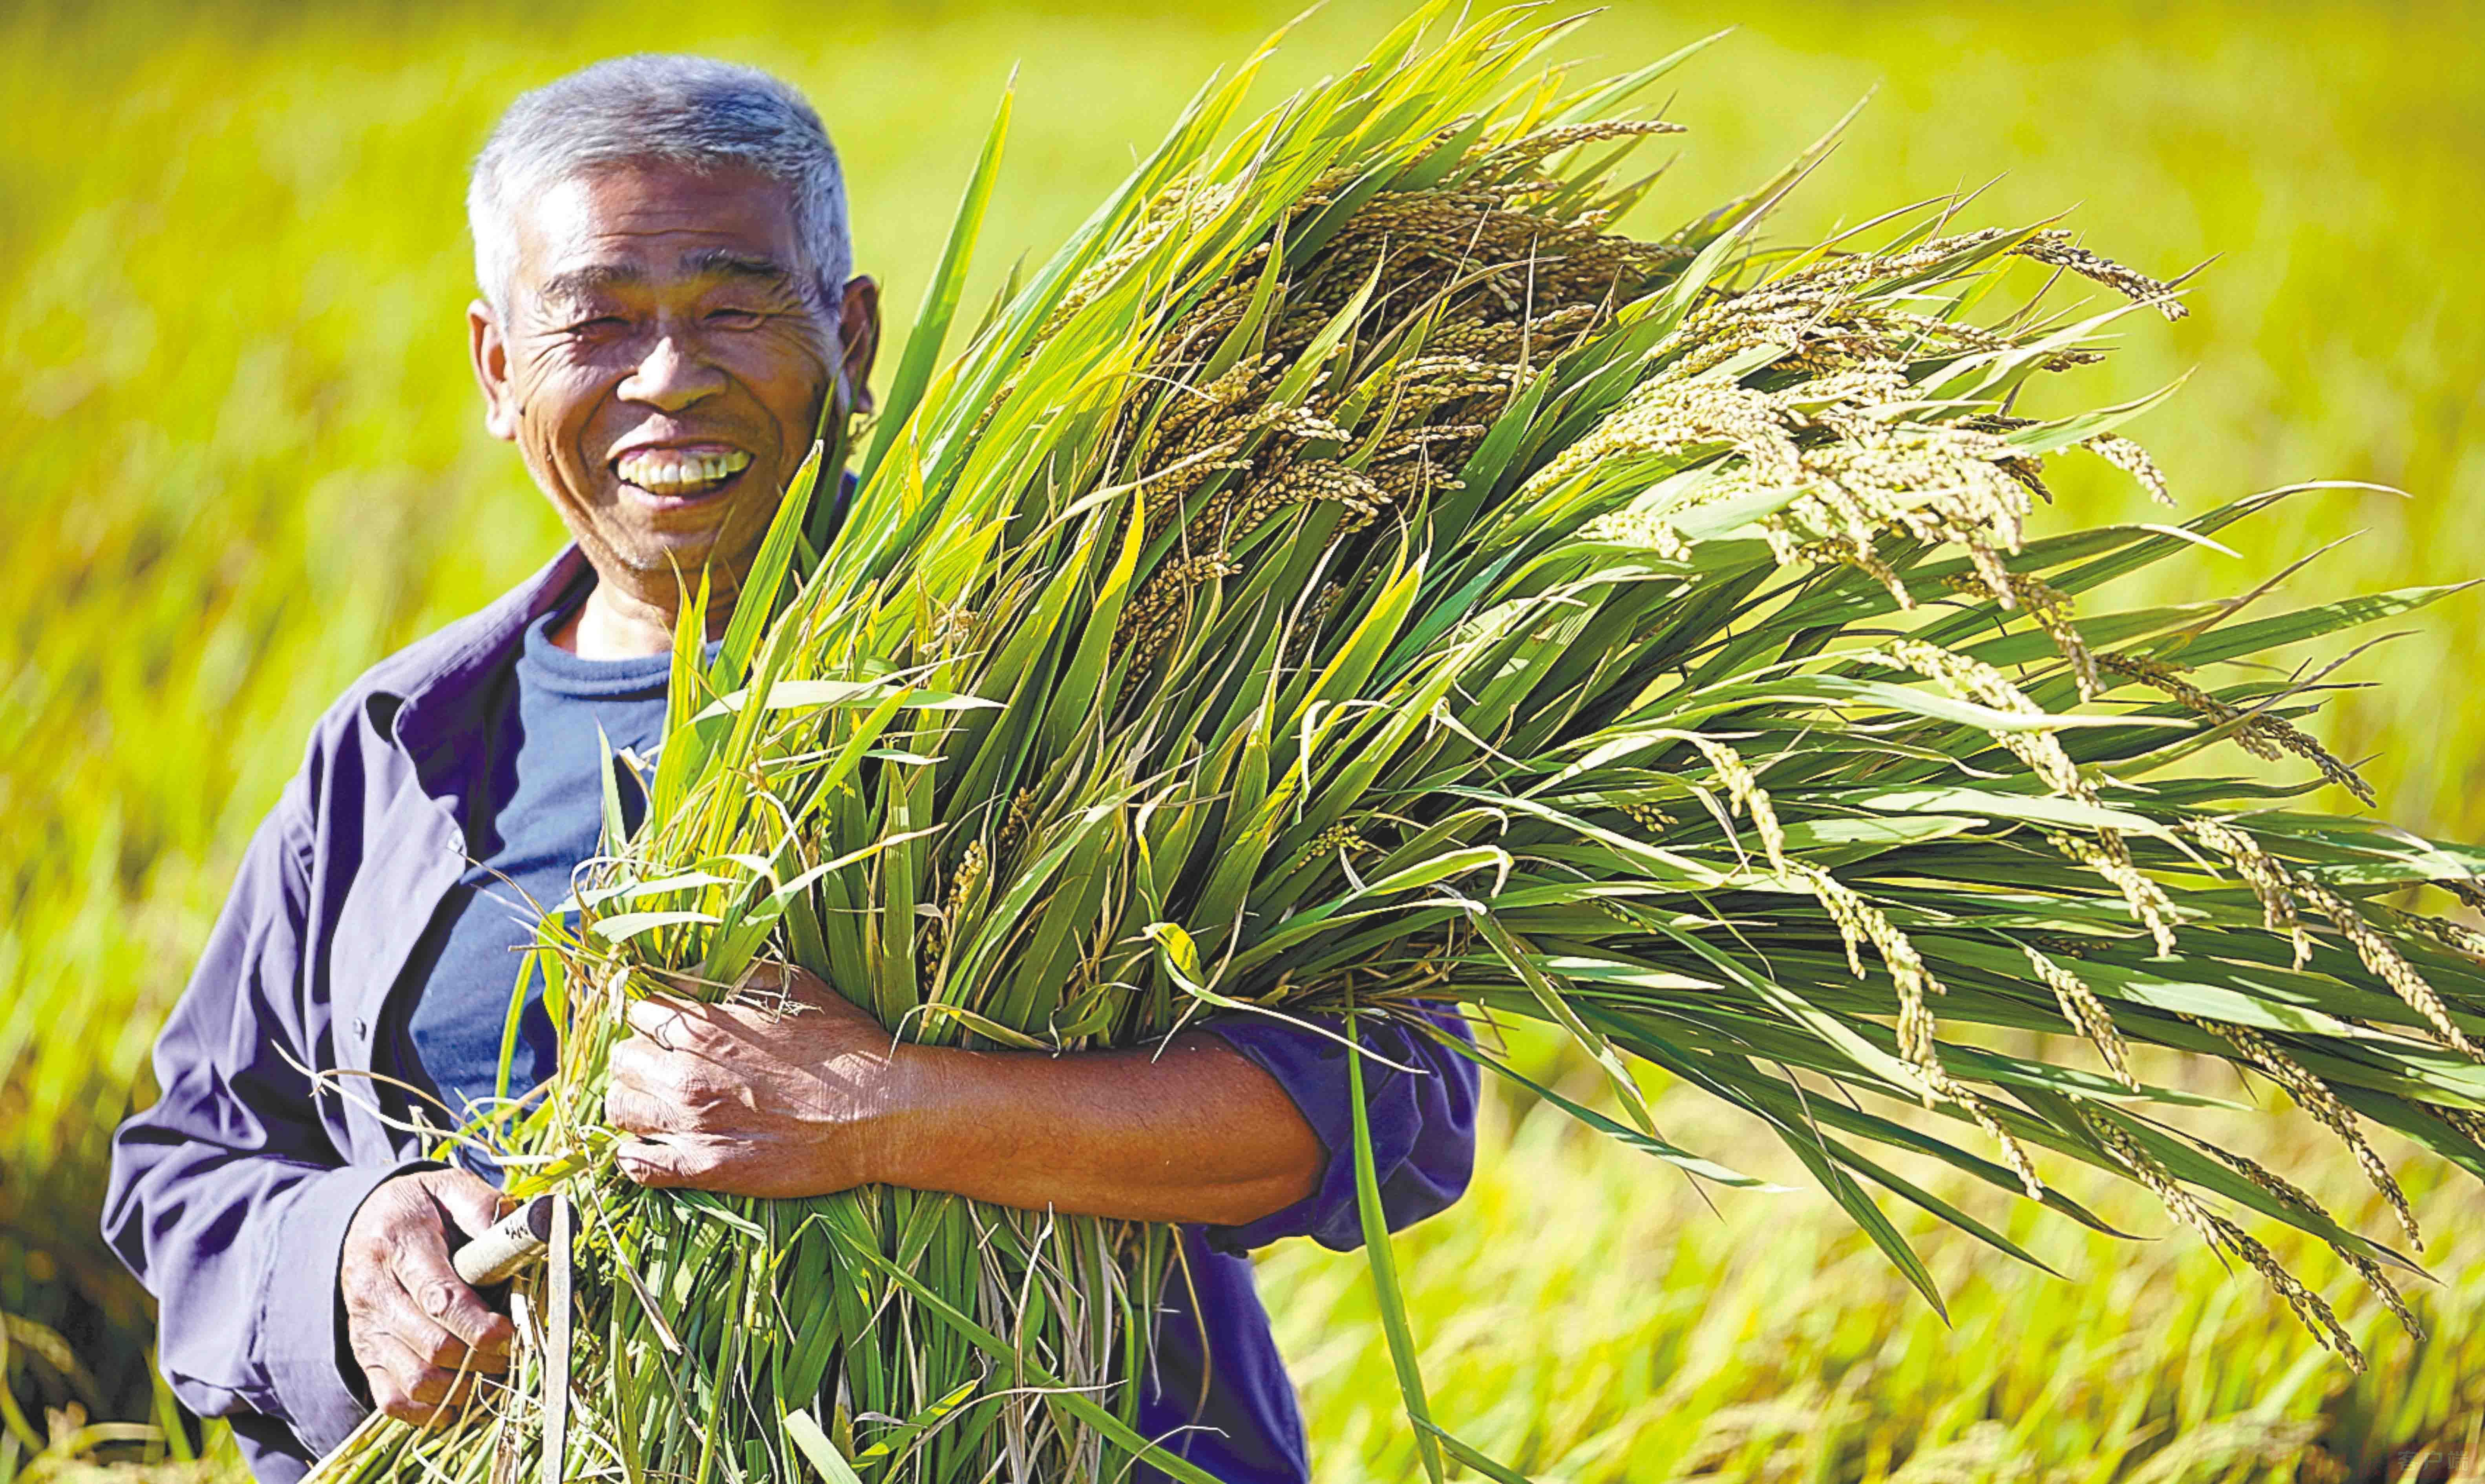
655,226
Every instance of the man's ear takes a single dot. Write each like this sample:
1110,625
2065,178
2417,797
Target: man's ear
858,331
490,351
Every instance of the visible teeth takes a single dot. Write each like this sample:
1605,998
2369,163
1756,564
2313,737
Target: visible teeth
666,471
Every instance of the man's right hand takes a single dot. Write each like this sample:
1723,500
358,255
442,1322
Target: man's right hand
410,1320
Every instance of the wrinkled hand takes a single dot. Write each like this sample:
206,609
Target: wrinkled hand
747,1100
411,1322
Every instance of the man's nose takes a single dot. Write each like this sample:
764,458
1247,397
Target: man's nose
671,378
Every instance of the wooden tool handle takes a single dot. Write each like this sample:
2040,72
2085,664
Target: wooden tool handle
516,1242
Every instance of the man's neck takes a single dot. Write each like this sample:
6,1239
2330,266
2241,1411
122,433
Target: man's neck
613,623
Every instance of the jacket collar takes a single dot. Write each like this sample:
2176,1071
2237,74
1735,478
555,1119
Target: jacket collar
435,693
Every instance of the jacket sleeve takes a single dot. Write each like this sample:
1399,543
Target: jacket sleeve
228,1199
1422,1121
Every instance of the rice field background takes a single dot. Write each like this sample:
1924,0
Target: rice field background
244,461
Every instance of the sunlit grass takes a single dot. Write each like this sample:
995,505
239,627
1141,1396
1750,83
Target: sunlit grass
245,462
1587,1322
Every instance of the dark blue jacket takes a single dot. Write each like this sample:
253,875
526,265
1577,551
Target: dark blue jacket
230,1198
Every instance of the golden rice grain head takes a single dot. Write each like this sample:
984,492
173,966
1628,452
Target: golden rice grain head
1408,480
2106,853
1655,821
2220,1232
1449,438
1972,680
1743,789
971,866
1020,820
2315,1098
1337,838
2266,876
1845,911
2085,1013
1858,921
2013,1153
1528,149
1857,268
2164,677
2458,938
2031,473
1935,482
2263,735
1169,490
1665,418
1304,483
2133,460
1632,527
1155,616
2304,745
2365,1267
2308,1306
2054,247
1951,334
2466,1122
2386,961
1180,206
2051,609
1839,550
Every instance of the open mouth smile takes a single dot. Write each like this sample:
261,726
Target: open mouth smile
670,476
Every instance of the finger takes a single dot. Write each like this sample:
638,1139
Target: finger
634,1111
438,1404
434,1291
631,1062
661,1165
408,1339
373,1355
765,984
417,1387
404,1408
770,987
453,1354
469,1387
809,988
390,1333
765,976
472,1202
451,1386
814,993
760,1016
432,1385
402,1383
667,1022
645,1064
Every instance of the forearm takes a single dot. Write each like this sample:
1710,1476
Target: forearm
810,1096
1193,1133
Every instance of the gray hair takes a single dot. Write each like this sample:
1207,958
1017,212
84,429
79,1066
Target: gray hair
691,111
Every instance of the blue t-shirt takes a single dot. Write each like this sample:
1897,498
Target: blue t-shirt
541,815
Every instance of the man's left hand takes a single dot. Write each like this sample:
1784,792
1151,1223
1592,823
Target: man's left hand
748,1099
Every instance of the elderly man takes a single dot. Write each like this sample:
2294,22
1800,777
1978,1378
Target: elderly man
668,307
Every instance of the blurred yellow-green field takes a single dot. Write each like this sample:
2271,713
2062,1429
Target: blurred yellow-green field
244,461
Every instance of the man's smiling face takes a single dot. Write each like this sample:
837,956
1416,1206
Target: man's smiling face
661,359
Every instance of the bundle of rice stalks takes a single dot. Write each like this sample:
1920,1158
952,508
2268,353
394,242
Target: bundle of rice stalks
1349,577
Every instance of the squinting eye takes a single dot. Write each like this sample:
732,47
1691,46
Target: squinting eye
734,319
601,324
